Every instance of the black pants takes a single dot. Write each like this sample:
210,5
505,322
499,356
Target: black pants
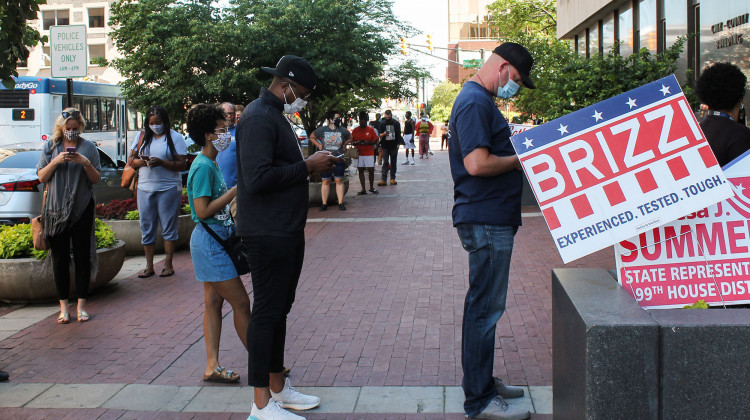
275,265
390,163
80,234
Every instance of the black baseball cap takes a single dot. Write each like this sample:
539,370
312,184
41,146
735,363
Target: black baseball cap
518,57
296,69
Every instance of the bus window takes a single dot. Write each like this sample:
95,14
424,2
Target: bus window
134,120
90,113
108,108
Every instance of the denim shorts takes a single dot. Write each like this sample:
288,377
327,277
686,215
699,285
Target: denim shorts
210,262
338,171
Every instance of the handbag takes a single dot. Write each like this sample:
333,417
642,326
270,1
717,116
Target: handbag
37,228
234,248
352,152
129,173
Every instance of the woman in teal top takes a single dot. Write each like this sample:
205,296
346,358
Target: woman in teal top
209,203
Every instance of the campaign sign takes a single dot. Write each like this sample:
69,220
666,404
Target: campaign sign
620,167
702,256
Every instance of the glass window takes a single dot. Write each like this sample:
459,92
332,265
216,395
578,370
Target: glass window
48,19
96,18
581,43
95,51
90,113
593,41
608,32
108,112
675,16
625,34
647,25
134,120
63,17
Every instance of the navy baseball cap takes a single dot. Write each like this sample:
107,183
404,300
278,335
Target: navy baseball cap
518,57
296,69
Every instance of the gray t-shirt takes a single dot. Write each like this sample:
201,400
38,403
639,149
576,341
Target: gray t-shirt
332,139
160,178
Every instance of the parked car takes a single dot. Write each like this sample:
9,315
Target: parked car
21,191
301,135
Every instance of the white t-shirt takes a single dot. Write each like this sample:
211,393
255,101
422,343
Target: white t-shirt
160,178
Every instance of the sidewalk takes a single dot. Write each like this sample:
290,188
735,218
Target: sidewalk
375,329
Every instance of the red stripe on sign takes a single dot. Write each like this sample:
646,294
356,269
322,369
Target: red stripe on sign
708,156
646,180
582,206
678,168
614,193
551,217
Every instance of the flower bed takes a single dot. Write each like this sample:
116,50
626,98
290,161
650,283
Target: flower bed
26,275
122,216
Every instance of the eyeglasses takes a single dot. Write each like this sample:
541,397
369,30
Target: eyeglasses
304,98
70,114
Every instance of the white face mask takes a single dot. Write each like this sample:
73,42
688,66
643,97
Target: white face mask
157,129
509,89
295,106
222,142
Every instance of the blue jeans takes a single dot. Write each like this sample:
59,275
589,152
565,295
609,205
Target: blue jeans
489,248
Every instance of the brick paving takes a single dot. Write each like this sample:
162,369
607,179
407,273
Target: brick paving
379,303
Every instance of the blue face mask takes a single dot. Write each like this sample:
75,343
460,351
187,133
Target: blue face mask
510,88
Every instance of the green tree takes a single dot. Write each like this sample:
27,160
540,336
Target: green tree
442,100
16,36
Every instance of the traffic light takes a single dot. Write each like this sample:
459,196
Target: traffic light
429,43
403,46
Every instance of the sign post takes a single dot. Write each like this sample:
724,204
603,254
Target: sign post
68,54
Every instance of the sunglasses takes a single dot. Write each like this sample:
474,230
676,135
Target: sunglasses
71,114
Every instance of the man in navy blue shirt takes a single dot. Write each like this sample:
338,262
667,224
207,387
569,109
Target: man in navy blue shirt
487,181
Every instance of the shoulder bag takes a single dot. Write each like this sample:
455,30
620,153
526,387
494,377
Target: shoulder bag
234,248
37,227
129,173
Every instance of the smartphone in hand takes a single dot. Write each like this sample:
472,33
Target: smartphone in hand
71,149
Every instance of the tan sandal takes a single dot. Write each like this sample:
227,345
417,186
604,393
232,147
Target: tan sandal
64,318
83,316
222,375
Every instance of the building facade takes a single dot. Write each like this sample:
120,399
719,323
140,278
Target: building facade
469,32
721,28
95,16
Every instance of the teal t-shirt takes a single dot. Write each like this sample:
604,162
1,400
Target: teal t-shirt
205,180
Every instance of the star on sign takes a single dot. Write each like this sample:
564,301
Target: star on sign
665,90
740,188
597,116
631,102
563,129
527,143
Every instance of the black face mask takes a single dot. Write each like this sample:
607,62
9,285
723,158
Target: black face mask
337,122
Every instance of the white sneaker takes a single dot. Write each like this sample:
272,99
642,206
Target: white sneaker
291,398
272,411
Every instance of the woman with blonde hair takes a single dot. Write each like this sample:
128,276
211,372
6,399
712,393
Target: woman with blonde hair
69,167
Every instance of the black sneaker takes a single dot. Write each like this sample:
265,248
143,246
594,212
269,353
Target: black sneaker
342,207
324,207
374,191
363,192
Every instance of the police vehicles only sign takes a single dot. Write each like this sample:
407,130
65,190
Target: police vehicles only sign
68,51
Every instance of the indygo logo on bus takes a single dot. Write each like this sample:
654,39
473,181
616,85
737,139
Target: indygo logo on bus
27,85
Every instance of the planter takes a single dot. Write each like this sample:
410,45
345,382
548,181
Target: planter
314,190
29,279
130,232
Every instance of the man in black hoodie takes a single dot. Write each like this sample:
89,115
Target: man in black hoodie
390,136
272,198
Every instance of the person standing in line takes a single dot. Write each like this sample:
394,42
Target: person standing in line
69,167
409,137
488,182
159,160
444,135
390,136
333,138
424,128
209,201
722,88
364,137
227,159
376,125
272,198
238,112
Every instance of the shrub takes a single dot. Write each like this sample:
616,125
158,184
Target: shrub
16,242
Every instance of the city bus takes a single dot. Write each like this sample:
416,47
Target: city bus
28,113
